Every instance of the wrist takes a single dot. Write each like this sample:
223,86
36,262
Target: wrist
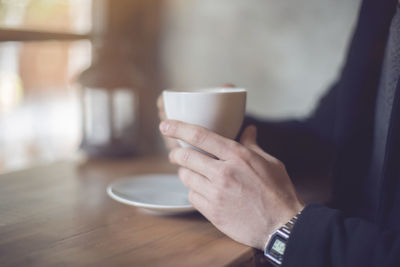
281,221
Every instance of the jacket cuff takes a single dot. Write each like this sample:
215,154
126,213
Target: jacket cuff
306,242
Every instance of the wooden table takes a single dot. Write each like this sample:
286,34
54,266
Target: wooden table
60,215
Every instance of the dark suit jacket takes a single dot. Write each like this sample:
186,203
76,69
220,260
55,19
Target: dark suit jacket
360,228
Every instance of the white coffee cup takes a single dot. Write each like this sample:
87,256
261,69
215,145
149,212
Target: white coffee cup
220,109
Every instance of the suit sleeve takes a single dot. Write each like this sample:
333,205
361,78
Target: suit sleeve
324,237
305,146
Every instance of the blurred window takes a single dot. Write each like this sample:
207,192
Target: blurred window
46,15
39,104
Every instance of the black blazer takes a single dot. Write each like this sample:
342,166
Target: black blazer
360,227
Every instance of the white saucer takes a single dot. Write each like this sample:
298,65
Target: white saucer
163,193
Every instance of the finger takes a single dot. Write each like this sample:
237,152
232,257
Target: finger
195,181
266,156
199,137
160,103
199,202
249,140
195,161
263,154
161,109
170,143
161,115
228,85
249,136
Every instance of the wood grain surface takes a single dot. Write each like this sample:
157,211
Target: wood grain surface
60,215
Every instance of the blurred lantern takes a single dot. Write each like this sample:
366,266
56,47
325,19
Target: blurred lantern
112,89
119,114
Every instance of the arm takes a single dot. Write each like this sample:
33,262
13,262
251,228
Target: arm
247,194
334,240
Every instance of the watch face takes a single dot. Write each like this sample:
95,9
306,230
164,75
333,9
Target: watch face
276,248
279,246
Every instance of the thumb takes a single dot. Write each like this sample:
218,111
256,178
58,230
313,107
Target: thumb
249,140
249,136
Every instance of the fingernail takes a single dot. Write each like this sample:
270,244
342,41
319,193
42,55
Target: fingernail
164,126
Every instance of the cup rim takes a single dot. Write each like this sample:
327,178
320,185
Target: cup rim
209,90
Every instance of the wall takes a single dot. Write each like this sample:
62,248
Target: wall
286,53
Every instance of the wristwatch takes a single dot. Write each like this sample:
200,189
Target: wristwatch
276,245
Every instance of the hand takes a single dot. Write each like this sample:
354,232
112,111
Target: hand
247,193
